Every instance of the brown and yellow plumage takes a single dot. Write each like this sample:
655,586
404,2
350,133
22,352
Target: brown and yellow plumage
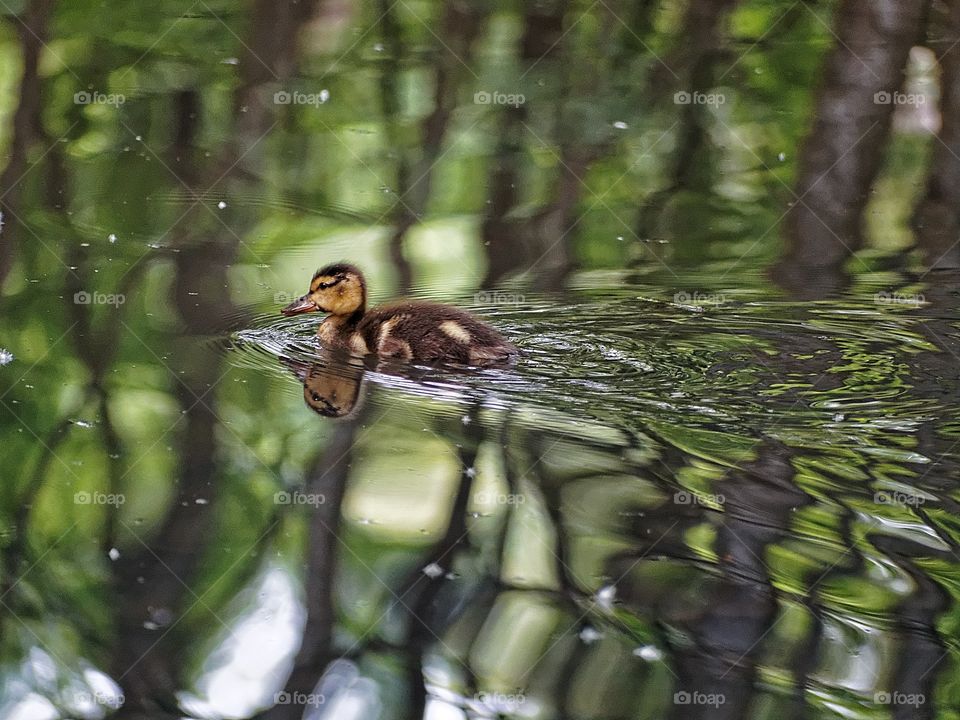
421,332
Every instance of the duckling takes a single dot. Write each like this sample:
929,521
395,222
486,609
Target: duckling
420,332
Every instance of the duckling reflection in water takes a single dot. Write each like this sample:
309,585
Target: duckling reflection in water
332,388
421,332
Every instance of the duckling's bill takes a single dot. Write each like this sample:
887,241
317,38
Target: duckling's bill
300,305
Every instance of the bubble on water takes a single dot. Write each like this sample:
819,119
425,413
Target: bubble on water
838,417
112,238
378,47
433,571
324,95
6,357
620,125
139,138
465,419
114,554
781,157
471,472
221,205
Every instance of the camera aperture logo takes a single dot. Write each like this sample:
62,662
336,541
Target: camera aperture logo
98,298
483,97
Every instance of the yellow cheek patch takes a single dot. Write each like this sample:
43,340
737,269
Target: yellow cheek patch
455,330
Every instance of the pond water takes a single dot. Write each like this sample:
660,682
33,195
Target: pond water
720,480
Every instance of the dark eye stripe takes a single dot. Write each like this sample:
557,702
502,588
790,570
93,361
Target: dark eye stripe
324,286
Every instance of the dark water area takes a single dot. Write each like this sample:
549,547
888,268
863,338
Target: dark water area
719,481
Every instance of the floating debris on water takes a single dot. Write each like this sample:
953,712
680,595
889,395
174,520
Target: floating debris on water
114,554
6,357
620,125
221,205
590,635
650,653
112,238
605,596
433,571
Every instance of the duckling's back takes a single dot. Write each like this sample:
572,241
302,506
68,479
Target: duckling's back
430,333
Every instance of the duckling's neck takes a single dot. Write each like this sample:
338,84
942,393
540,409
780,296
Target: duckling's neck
335,328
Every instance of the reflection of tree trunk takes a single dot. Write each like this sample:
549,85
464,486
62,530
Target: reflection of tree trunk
32,33
921,653
691,68
329,479
503,237
843,153
459,29
758,507
937,219
153,583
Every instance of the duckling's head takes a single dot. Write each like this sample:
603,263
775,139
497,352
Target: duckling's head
336,289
